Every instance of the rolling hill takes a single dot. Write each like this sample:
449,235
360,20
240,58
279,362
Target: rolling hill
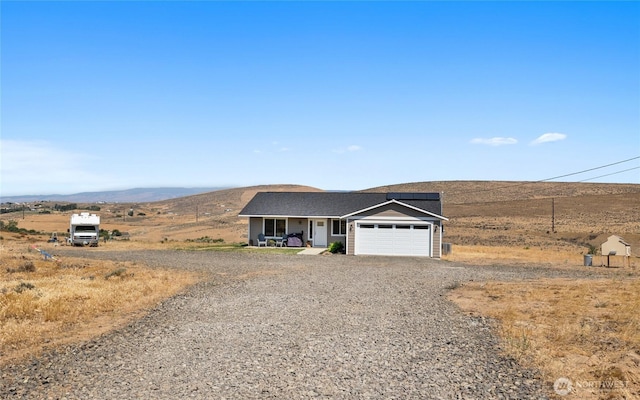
120,196
546,215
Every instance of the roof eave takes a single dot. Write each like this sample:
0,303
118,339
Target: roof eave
396,202
287,216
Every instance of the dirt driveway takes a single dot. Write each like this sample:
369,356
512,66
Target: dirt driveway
288,327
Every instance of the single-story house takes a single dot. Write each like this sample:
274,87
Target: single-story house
405,224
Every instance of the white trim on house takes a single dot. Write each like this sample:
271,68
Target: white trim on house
393,201
381,218
288,216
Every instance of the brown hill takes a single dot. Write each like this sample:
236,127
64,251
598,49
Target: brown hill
547,215
232,200
213,214
459,192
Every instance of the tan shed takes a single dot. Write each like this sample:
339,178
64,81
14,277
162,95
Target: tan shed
616,246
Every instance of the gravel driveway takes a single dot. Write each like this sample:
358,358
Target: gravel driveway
289,327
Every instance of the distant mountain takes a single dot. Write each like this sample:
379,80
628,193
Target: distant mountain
138,195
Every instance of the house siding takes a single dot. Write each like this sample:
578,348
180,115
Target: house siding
391,211
298,225
351,237
255,228
436,237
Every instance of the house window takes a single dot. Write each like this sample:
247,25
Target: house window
275,227
338,227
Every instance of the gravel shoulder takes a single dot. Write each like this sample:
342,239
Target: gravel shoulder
289,326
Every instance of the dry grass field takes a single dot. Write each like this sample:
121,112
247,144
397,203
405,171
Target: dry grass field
47,302
586,330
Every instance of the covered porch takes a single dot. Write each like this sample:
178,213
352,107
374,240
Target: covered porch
293,231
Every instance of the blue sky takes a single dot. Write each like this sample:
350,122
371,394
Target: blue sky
336,95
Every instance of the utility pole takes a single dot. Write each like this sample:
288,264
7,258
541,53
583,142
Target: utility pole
553,215
196,213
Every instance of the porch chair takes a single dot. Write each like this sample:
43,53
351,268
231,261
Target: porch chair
281,241
262,240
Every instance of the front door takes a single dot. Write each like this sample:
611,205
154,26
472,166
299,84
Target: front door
319,232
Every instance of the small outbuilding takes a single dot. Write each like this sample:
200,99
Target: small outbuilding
615,246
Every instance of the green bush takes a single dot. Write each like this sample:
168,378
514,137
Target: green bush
205,239
12,226
65,207
118,272
24,286
27,266
336,247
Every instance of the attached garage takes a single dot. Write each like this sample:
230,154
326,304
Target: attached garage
405,227
393,239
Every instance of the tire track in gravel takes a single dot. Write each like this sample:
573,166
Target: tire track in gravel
286,326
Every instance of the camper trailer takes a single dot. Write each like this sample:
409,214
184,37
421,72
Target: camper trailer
84,229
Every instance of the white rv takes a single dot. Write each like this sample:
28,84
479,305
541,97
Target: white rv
84,229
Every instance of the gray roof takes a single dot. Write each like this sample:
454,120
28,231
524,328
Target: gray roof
332,204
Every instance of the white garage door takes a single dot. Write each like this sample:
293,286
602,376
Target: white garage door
393,239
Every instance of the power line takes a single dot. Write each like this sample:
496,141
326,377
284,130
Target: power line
613,173
549,179
590,169
549,191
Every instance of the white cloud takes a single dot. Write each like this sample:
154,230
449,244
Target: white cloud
549,137
494,141
350,149
40,167
35,158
